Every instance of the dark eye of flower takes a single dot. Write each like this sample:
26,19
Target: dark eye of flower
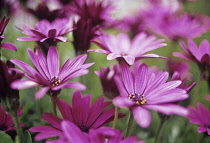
55,81
207,126
3,128
84,129
138,99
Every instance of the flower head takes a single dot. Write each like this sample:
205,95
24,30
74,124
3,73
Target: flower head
47,73
45,30
121,47
145,90
6,45
6,122
198,54
84,116
201,117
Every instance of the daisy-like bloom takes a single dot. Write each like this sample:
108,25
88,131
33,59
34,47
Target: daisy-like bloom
6,45
201,117
73,134
198,54
6,122
81,114
48,33
145,90
121,47
47,73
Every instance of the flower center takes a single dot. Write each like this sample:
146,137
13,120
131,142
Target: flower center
84,129
55,81
207,126
138,99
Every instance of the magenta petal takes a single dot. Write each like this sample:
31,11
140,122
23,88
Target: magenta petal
28,39
201,129
73,133
122,102
53,61
169,109
141,116
64,108
129,59
127,78
112,56
22,84
48,134
41,92
52,33
75,85
52,119
61,38
8,46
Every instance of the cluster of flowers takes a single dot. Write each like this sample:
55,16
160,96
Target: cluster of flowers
129,83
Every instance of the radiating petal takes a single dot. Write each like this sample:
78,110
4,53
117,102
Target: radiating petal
53,61
22,84
8,46
41,92
122,102
141,116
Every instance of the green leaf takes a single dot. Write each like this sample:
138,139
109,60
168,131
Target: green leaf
5,138
27,137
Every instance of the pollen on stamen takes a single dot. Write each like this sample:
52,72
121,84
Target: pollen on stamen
138,99
55,81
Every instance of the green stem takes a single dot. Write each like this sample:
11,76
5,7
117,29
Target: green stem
130,122
115,117
195,97
18,129
53,106
159,131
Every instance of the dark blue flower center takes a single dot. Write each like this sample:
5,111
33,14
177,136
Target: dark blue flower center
207,126
138,99
84,129
55,81
3,128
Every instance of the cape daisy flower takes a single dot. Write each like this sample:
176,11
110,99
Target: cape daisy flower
145,90
81,114
198,54
201,117
47,73
121,47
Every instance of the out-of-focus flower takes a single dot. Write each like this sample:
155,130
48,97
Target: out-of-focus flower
6,45
47,73
48,33
121,47
92,16
73,134
43,12
6,122
198,54
201,117
110,81
145,90
81,114
9,98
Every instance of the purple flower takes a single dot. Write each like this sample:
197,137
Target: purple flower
81,114
6,122
48,33
47,73
110,80
121,47
6,45
201,117
145,90
199,55
101,135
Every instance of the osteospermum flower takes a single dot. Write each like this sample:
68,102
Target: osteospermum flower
198,54
47,73
6,122
81,114
121,47
201,117
44,30
6,45
145,90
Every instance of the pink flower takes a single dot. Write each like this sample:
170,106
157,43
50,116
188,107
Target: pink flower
201,117
121,47
84,116
47,73
144,90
